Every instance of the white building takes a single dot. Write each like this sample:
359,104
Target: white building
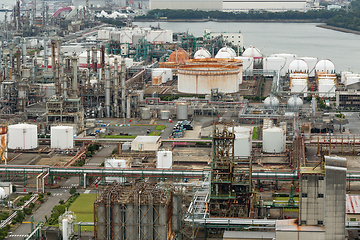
186,4
146,143
235,38
268,5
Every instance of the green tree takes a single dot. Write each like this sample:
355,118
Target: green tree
72,190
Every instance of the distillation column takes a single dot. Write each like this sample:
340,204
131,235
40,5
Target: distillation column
123,109
107,90
74,80
116,89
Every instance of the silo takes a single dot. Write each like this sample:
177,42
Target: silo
22,136
298,66
182,111
62,137
3,139
164,114
325,66
164,159
145,113
274,140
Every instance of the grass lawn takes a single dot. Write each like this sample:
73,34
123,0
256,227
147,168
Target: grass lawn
160,127
153,133
83,207
286,199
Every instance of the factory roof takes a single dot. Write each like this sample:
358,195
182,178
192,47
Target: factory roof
248,235
353,204
147,139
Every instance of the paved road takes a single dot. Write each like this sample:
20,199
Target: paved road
354,122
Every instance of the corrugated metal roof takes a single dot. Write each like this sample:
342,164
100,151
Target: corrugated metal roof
248,235
353,204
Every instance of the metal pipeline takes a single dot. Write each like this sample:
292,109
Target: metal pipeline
123,68
107,91
116,89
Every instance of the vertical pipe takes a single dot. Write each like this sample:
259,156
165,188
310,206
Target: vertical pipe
123,88
116,89
53,56
18,62
102,56
46,65
23,51
88,58
74,79
94,59
128,112
107,90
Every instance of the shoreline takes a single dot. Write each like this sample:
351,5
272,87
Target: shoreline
225,20
339,29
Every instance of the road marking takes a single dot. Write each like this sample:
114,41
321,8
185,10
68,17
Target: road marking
22,236
87,191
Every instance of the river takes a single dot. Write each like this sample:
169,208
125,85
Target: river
302,39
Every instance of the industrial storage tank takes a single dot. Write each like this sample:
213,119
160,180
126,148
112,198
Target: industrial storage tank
226,52
164,114
289,58
326,84
311,62
161,75
254,53
271,102
242,145
295,103
179,55
202,53
299,83
145,113
3,142
325,66
298,66
182,111
199,76
62,137
22,136
2,193
164,159
274,140
248,64
275,64
352,81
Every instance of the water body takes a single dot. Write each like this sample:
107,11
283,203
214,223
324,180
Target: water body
302,39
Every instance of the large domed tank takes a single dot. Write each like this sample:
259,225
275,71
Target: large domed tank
22,136
202,53
179,55
271,102
298,66
295,103
326,66
311,62
226,52
252,52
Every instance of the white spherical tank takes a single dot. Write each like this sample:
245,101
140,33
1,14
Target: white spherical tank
242,145
62,137
22,136
164,159
275,64
145,113
299,66
295,103
311,62
182,111
199,76
274,140
325,66
202,53
271,102
164,114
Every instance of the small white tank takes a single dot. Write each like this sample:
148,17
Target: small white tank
164,114
271,102
242,145
2,193
274,140
22,136
115,163
164,159
62,137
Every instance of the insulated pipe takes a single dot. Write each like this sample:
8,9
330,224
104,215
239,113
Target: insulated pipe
88,58
74,79
53,56
23,51
94,59
107,91
46,64
123,109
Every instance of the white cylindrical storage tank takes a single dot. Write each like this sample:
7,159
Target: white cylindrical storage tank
240,130
158,72
352,81
164,114
248,65
311,62
22,136
299,83
298,66
65,229
325,66
242,145
275,64
145,113
2,193
164,159
254,53
168,74
274,140
62,137
343,76
326,85
289,58
182,111
202,53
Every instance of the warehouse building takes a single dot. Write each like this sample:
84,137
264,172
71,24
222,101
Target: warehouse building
203,5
